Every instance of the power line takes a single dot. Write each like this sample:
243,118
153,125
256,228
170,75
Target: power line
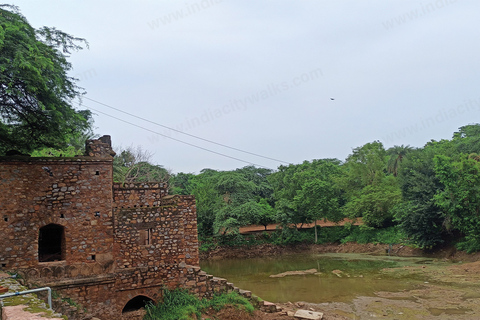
190,135
178,140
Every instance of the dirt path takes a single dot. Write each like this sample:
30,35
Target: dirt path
320,223
450,291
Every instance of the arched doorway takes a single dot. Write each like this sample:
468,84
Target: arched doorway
51,243
137,303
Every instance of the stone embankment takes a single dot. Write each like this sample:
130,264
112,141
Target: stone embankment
205,285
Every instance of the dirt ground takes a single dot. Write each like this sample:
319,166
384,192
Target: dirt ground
451,292
266,250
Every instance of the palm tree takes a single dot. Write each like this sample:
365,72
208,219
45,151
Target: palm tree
396,155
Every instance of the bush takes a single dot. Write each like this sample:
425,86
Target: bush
470,245
232,298
179,304
363,234
331,234
290,236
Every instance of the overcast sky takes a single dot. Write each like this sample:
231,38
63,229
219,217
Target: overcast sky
260,76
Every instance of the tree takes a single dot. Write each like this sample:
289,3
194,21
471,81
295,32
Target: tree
318,199
371,192
36,93
365,166
461,197
133,165
237,206
419,217
307,192
375,203
467,139
259,177
207,199
182,183
266,214
396,153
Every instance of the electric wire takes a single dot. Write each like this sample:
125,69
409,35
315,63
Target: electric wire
188,134
178,140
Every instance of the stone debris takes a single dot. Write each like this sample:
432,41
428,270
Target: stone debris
310,315
269,307
294,273
338,273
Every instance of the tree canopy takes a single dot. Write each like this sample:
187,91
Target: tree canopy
133,165
428,195
36,92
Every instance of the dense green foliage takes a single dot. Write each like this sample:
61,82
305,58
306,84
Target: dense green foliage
36,93
179,304
460,199
307,192
132,165
425,197
228,200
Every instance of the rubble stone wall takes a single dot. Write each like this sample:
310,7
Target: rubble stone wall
133,195
74,193
157,236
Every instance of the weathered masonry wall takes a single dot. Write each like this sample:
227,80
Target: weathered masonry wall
133,195
161,236
73,193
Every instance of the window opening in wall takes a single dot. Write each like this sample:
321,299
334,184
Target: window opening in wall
62,215
97,173
146,237
137,303
4,265
92,257
51,243
5,218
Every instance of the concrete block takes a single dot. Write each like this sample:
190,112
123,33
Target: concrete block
309,315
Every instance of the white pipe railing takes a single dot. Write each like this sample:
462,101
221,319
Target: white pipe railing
12,294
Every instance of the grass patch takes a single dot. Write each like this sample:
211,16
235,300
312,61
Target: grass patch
179,304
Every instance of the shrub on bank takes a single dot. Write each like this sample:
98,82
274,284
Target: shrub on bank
363,235
179,304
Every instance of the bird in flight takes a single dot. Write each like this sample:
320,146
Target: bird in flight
332,98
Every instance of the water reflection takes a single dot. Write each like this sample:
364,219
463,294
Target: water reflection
341,278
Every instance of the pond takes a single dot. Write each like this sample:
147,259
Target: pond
337,278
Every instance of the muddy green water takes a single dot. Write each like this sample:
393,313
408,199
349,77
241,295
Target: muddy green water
360,275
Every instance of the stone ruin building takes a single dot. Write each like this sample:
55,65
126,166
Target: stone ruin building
109,247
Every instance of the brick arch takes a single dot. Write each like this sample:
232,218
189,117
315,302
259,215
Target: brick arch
136,303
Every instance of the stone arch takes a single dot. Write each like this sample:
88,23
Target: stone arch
51,243
32,274
46,273
137,303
